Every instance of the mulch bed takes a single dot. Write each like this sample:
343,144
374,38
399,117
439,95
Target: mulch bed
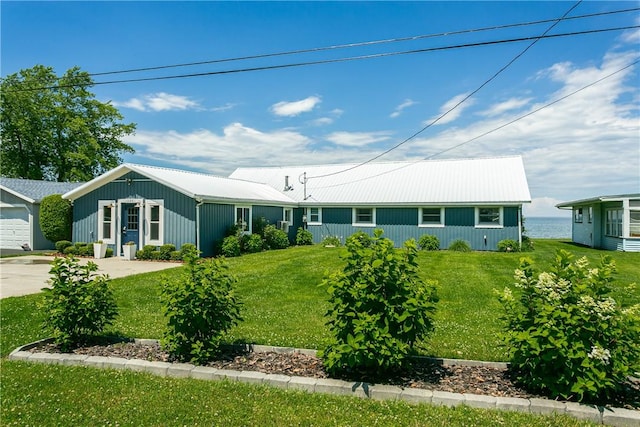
421,373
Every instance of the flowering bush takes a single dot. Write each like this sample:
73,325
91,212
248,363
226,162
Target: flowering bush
565,335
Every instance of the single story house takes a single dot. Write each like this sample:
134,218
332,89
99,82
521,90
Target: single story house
20,211
606,222
150,205
477,200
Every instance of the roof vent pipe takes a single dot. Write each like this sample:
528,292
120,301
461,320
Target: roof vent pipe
287,187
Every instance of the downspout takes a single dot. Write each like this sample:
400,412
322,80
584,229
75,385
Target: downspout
520,226
200,203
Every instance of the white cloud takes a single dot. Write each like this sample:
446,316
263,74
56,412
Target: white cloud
160,101
226,107
544,207
357,139
398,110
508,105
454,114
583,146
292,109
322,121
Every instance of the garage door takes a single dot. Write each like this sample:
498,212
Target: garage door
14,227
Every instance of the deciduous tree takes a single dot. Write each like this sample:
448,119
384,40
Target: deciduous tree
54,129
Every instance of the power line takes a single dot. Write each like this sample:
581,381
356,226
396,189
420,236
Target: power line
469,95
357,44
517,119
329,61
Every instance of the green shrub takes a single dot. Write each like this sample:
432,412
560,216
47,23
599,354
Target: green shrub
304,237
200,307
429,242
78,303
460,246
80,245
565,335
86,250
176,256
331,241
189,250
71,250
165,251
379,308
56,218
109,253
508,245
258,226
230,246
527,244
275,238
253,244
146,253
61,245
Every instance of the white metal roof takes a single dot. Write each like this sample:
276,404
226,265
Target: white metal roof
500,180
196,185
613,198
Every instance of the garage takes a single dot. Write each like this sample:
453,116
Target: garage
14,227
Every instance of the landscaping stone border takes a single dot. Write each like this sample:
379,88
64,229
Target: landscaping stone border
603,415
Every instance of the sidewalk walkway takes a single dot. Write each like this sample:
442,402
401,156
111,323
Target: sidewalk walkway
29,274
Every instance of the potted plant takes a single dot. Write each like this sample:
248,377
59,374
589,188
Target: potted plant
99,249
129,250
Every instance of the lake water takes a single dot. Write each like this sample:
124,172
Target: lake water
548,227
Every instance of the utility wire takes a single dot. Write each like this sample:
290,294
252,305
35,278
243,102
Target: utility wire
357,44
517,119
328,61
469,95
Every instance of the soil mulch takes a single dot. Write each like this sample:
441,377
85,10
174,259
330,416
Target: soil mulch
421,373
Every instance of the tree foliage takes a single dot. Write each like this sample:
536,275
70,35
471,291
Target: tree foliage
56,218
54,129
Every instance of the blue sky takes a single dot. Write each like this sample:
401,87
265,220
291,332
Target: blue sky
351,111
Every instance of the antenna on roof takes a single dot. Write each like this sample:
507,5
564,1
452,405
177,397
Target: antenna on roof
303,181
287,187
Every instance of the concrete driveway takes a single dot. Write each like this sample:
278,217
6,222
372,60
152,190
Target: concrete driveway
29,274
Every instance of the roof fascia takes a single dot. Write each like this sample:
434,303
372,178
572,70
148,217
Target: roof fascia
97,182
413,204
19,195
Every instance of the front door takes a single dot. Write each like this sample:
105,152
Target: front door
130,223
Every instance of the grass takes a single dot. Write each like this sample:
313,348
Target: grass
283,306
47,395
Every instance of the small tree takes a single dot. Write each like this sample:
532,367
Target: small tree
379,306
200,308
56,218
304,237
79,302
565,335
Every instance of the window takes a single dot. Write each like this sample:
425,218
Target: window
154,233
634,224
590,214
431,217
288,216
577,215
243,218
107,221
364,217
613,225
489,217
314,216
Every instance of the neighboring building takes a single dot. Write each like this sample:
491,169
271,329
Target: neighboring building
154,206
606,222
477,200
20,211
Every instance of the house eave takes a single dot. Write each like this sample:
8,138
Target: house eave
19,195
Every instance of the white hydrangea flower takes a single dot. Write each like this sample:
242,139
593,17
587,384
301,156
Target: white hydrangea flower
582,263
601,354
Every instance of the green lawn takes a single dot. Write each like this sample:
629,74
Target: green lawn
283,306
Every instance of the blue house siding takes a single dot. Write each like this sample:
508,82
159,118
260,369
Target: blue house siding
272,214
179,210
401,224
215,219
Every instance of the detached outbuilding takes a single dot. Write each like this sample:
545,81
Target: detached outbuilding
148,205
606,222
20,211
477,200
